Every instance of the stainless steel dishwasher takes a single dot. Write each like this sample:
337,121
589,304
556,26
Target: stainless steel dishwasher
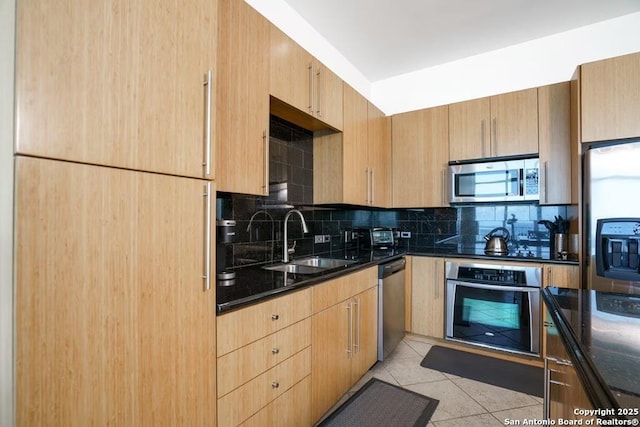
390,306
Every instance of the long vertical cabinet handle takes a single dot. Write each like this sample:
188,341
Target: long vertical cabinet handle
372,186
482,138
435,281
311,87
265,146
443,177
493,146
207,123
546,396
319,92
546,180
207,238
356,345
350,343
367,186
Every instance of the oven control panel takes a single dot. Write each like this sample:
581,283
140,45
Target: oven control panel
494,274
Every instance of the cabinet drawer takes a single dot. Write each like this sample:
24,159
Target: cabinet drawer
245,401
244,326
246,363
292,409
342,288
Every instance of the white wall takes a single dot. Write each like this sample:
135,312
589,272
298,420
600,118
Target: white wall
7,49
536,63
539,62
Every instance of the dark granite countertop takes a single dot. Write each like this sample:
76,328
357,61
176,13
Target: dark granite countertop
602,333
253,283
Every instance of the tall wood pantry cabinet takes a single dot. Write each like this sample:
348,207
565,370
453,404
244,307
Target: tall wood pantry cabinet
117,83
114,323
115,127
495,126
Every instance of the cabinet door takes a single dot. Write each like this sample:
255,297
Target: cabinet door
563,276
328,96
436,159
354,149
554,111
365,331
113,323
379,157
427,296
469,129
242,97
120,85
291,72
331,360
610,92
514,123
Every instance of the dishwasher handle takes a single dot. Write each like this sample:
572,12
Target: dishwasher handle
387,269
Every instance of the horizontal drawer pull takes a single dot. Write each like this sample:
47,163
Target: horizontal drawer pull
275,317
275,384
275,350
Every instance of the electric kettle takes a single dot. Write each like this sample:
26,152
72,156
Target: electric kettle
497,243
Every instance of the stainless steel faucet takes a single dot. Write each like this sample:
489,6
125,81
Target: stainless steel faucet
305,229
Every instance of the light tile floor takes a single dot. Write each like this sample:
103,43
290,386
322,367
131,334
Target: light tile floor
463,402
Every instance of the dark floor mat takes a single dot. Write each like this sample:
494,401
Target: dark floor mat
380,404
502,373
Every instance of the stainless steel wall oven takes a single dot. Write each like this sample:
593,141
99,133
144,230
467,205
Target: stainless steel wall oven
494,306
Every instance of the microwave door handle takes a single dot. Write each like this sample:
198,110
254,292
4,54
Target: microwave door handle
522,183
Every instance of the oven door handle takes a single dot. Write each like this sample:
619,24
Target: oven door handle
497,287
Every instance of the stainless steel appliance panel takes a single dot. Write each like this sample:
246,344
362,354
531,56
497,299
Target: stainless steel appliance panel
391,306
612,217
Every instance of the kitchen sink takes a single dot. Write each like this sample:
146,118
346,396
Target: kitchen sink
311,265
295,269
324,263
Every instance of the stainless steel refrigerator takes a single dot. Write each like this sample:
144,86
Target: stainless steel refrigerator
612,216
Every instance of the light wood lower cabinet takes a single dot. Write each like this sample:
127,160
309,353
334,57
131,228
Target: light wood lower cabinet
344,336
264,353
427,296
563,390
291,409
562,276
114,325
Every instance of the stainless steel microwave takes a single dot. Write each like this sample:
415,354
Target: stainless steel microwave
495,181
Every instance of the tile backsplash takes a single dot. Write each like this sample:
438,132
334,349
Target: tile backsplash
259,230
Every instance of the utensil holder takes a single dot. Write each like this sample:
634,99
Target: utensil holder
560,245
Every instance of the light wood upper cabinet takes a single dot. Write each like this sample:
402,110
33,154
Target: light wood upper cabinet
113,323
355,142
496,126
379,157
117,83
420,154
556,172
300,80
242,99
353,167
470,129
427,296
610,98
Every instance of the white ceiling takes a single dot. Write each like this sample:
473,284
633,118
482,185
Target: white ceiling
388,38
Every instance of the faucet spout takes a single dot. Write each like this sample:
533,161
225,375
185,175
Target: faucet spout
305,229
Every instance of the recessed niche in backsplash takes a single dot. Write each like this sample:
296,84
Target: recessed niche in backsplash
290,163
